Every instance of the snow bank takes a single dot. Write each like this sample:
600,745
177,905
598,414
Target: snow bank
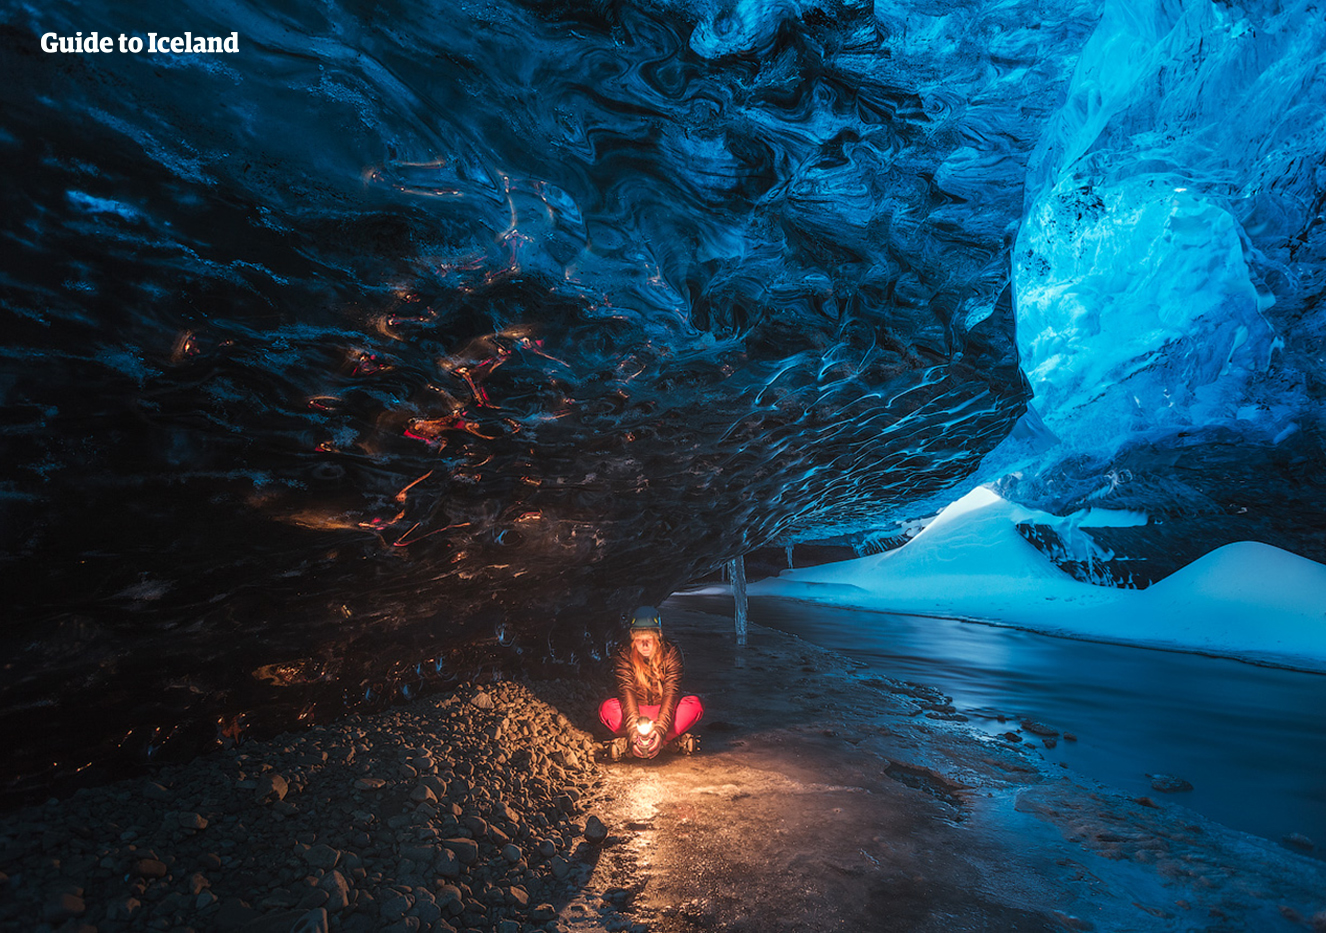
1245,600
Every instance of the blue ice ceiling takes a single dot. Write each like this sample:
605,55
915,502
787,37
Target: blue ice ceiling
416,333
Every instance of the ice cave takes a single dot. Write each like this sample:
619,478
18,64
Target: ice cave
395,353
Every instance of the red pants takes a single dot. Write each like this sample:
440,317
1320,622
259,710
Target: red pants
689,711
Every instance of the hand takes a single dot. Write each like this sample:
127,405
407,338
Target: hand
647,744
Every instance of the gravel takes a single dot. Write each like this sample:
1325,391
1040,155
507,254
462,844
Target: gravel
467,811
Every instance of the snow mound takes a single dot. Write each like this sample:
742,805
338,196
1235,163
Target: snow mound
1245,600
970,548
1252,574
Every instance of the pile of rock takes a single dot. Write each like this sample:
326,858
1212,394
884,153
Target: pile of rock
459,813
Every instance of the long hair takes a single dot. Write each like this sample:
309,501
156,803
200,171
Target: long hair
648,674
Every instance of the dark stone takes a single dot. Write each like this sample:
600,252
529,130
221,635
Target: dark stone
595,831
476,825
149,868
125,908
1169,784
314,921
233,914
322,856
449,899
289,921
191,822
394,908
466,850
271,786
1036,728
423,854
314,899
64,907
447,864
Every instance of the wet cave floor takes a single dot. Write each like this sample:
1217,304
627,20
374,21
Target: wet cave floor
826,799
822,798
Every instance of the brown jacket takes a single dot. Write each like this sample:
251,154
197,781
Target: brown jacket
632,698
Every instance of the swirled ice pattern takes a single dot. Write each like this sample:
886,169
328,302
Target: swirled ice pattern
417,327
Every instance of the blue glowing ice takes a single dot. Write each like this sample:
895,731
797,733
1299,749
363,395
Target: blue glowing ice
1167,267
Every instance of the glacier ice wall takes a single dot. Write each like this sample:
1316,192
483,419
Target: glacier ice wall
1168,275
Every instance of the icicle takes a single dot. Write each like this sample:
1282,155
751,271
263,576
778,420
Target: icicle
737,571
787,548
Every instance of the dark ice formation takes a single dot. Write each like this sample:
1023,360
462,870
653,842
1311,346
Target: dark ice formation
413,335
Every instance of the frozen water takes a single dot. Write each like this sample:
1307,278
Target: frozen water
1167,265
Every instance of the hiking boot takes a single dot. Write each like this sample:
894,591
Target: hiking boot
615,749
687,743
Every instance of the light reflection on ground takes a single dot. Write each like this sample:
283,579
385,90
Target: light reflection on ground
1248,737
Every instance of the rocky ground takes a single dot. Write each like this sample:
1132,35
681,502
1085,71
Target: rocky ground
822,799
467,811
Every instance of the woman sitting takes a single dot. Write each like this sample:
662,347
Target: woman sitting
649,711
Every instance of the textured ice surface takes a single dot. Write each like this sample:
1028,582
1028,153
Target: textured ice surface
419,327
414,327
1168,273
